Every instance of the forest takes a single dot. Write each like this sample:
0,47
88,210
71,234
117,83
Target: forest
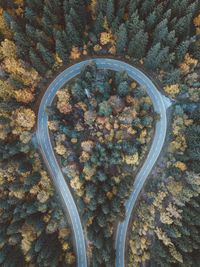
101,141
38,39
167,226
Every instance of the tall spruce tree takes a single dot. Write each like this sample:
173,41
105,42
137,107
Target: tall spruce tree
121,39
110,11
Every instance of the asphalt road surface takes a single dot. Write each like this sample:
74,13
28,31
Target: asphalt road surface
160,105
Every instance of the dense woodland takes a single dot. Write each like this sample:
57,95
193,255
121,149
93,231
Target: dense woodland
101,134
166,231
40,37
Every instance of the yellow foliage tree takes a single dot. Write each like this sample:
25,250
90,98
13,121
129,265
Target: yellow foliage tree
172,90
60,149
25,96
196,21
188,64
107,37
178,144
63,104
175,254
165,217
28,236
181,166
132,159
16,67
172,209
75,53
8,49
175,188
163,237
6,91
70,258
87,145
23,119
159,198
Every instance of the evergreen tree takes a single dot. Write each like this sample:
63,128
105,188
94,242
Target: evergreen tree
30,31
62,51
147,6
121,39
30,15
115,24
171,40
47,56
172,77
123,88
160,32
151,21
42,38
21,39
80,7
98,27
132,6
181,50
136,48
36,5
37,62
183,26
110,11
156,57
135,24
75,20
73,34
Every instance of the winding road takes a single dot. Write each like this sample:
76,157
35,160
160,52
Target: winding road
160,102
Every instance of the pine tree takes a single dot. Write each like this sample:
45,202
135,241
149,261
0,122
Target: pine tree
120,13
36,5
62,51
136,48
73,17
172,77
135,24
80,7
171,40
66,6
151,21
121,39
98,27
115,24
160,32
156,57
30,31
37,62
30,15
183,26
181,50
132,7
123,88
110,11
73,34
20,38
42,38
47,23
47,56
147,7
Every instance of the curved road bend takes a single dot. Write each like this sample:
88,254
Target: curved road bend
43,139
